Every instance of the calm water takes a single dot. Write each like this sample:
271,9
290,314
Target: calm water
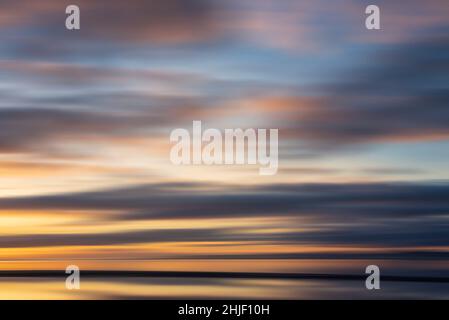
191,288
226,288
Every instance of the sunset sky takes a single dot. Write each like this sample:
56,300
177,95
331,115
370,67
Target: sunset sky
85,119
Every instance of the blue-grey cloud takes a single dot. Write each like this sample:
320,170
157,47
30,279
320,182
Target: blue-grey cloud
401,215
403,95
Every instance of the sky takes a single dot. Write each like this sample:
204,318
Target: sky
85,119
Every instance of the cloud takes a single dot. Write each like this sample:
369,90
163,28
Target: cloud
79,75
383,255
52,240
30,128
136,20
39,129
394,215
388,234
109,27
402,96
336,201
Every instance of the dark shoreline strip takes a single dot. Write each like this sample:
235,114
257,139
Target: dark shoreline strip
232,275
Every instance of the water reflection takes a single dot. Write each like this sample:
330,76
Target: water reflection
106,287
182,288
